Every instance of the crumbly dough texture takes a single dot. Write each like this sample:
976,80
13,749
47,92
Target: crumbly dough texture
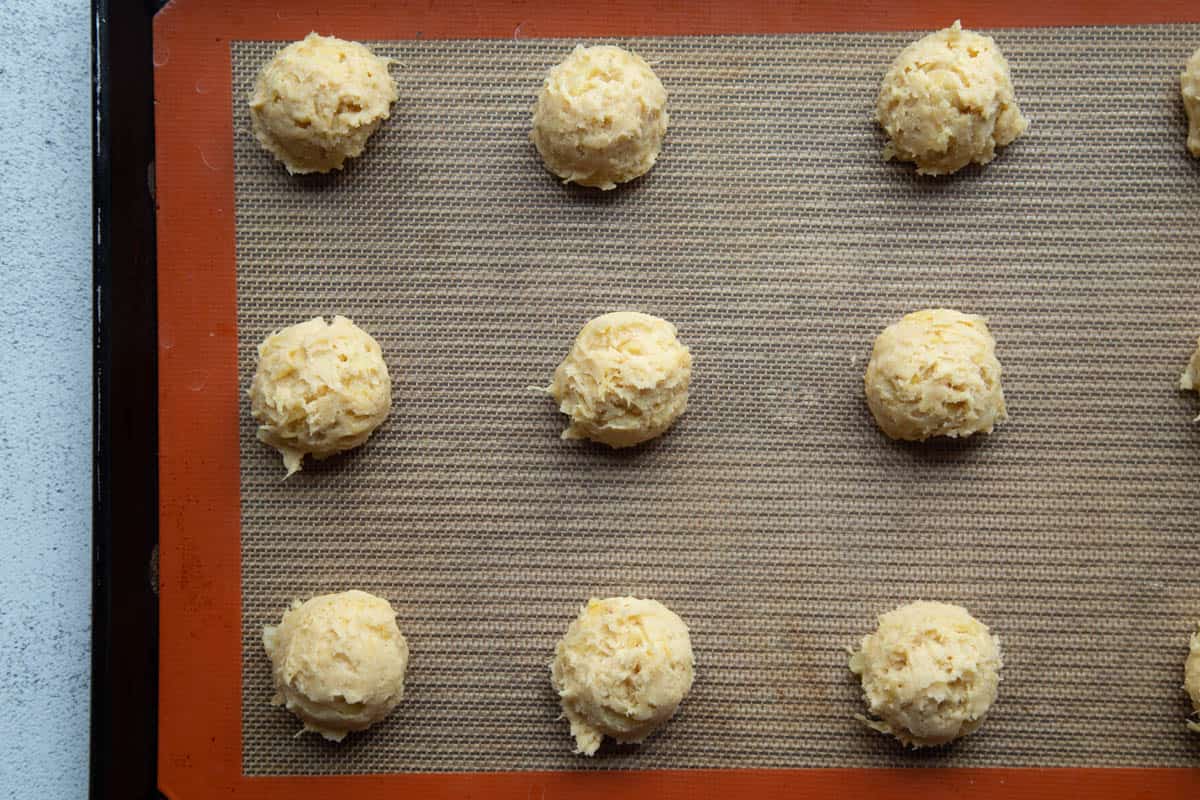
624,381
1190,379
320,388
338,662
621,670
1191,678
317,101
1189,86
600,117
930,672
935,373
948,101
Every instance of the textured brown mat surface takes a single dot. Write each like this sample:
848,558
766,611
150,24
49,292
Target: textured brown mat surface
774,519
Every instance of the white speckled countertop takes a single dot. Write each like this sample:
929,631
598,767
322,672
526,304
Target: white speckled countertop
45,398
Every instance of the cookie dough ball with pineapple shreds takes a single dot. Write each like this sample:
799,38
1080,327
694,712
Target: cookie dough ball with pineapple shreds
600,117
338,662
621,670
935,373
1190,379
948,101
320,388
929,672
317,101
1191,678
625,380
1189,85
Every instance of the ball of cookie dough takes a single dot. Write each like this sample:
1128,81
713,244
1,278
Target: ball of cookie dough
947,101
320,388
930,672
935,373
1189,381
338,662
625,380
1191,678
600,117
1189,86
317,101
621,670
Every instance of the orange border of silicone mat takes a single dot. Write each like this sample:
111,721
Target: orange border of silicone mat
200,740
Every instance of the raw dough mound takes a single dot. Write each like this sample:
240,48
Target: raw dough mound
948,101
318,100
319,389
1189,86
600,117
1191,677
624,381
338,662
935,373
930,672
621,670
1190,379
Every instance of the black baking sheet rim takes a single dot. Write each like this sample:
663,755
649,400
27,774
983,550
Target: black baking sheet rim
124,669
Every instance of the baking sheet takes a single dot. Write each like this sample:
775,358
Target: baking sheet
774,518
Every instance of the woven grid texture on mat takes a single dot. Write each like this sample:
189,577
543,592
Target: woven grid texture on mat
774,518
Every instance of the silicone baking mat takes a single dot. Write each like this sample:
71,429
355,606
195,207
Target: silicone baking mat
774,518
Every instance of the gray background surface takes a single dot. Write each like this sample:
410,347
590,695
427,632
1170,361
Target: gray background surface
774,518
45,397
